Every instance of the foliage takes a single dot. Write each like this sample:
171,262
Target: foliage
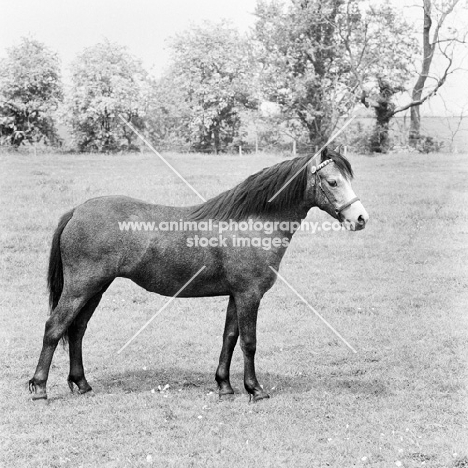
211,69
30,91
380,46
108,82
167,114
315,56
384,109
428,144
298,52
360,138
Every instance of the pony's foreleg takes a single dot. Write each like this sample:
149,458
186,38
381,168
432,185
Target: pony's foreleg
247,308
75,340
230,336
57,324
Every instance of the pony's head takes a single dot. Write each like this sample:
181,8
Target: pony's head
329,183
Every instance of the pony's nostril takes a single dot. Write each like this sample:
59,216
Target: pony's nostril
361,220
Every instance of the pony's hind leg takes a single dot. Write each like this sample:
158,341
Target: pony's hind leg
76,332
61,318
230,336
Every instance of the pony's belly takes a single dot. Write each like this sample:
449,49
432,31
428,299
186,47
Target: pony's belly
183,282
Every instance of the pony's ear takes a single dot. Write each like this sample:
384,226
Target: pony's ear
324,154
340,149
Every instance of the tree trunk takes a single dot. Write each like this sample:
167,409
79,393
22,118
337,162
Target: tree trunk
216,139
380,139
428,54
415,126
317,135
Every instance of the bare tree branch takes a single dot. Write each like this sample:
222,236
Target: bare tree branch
440,82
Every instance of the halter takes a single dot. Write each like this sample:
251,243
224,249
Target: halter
315,170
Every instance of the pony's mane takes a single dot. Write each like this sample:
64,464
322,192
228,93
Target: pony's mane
251,196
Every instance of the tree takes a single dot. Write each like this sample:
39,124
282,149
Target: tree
432,26
107,81
211,68
384,109
30,92
380,53
316,55
433,22
300,59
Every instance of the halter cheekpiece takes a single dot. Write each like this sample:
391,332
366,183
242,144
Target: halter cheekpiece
315,170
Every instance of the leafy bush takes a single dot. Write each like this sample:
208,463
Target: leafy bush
427,144
361,142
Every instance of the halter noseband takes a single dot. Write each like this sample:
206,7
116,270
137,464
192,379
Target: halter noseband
315,170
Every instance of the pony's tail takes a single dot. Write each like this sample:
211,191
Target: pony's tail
55,273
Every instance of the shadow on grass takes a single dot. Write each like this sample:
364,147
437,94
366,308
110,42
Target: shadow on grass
183,379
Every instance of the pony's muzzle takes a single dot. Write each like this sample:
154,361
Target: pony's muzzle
355,217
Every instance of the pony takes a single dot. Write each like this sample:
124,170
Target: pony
93,245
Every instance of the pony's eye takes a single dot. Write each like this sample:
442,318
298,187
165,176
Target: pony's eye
332,183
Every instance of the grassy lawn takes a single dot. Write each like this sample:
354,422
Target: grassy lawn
398,292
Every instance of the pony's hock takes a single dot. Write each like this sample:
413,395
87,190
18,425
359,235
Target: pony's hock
89,251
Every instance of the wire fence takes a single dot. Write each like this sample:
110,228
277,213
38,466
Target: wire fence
448,134
451,134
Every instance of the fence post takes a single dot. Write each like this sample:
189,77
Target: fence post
294,147
256,143
240,150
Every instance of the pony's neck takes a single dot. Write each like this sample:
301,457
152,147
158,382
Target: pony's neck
290,220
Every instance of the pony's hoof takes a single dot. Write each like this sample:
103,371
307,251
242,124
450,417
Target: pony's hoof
40,398
71,385
32,386
38,393
84,388
258,397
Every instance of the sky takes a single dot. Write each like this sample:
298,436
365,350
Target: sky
144,26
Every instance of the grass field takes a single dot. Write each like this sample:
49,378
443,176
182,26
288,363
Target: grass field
398,292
